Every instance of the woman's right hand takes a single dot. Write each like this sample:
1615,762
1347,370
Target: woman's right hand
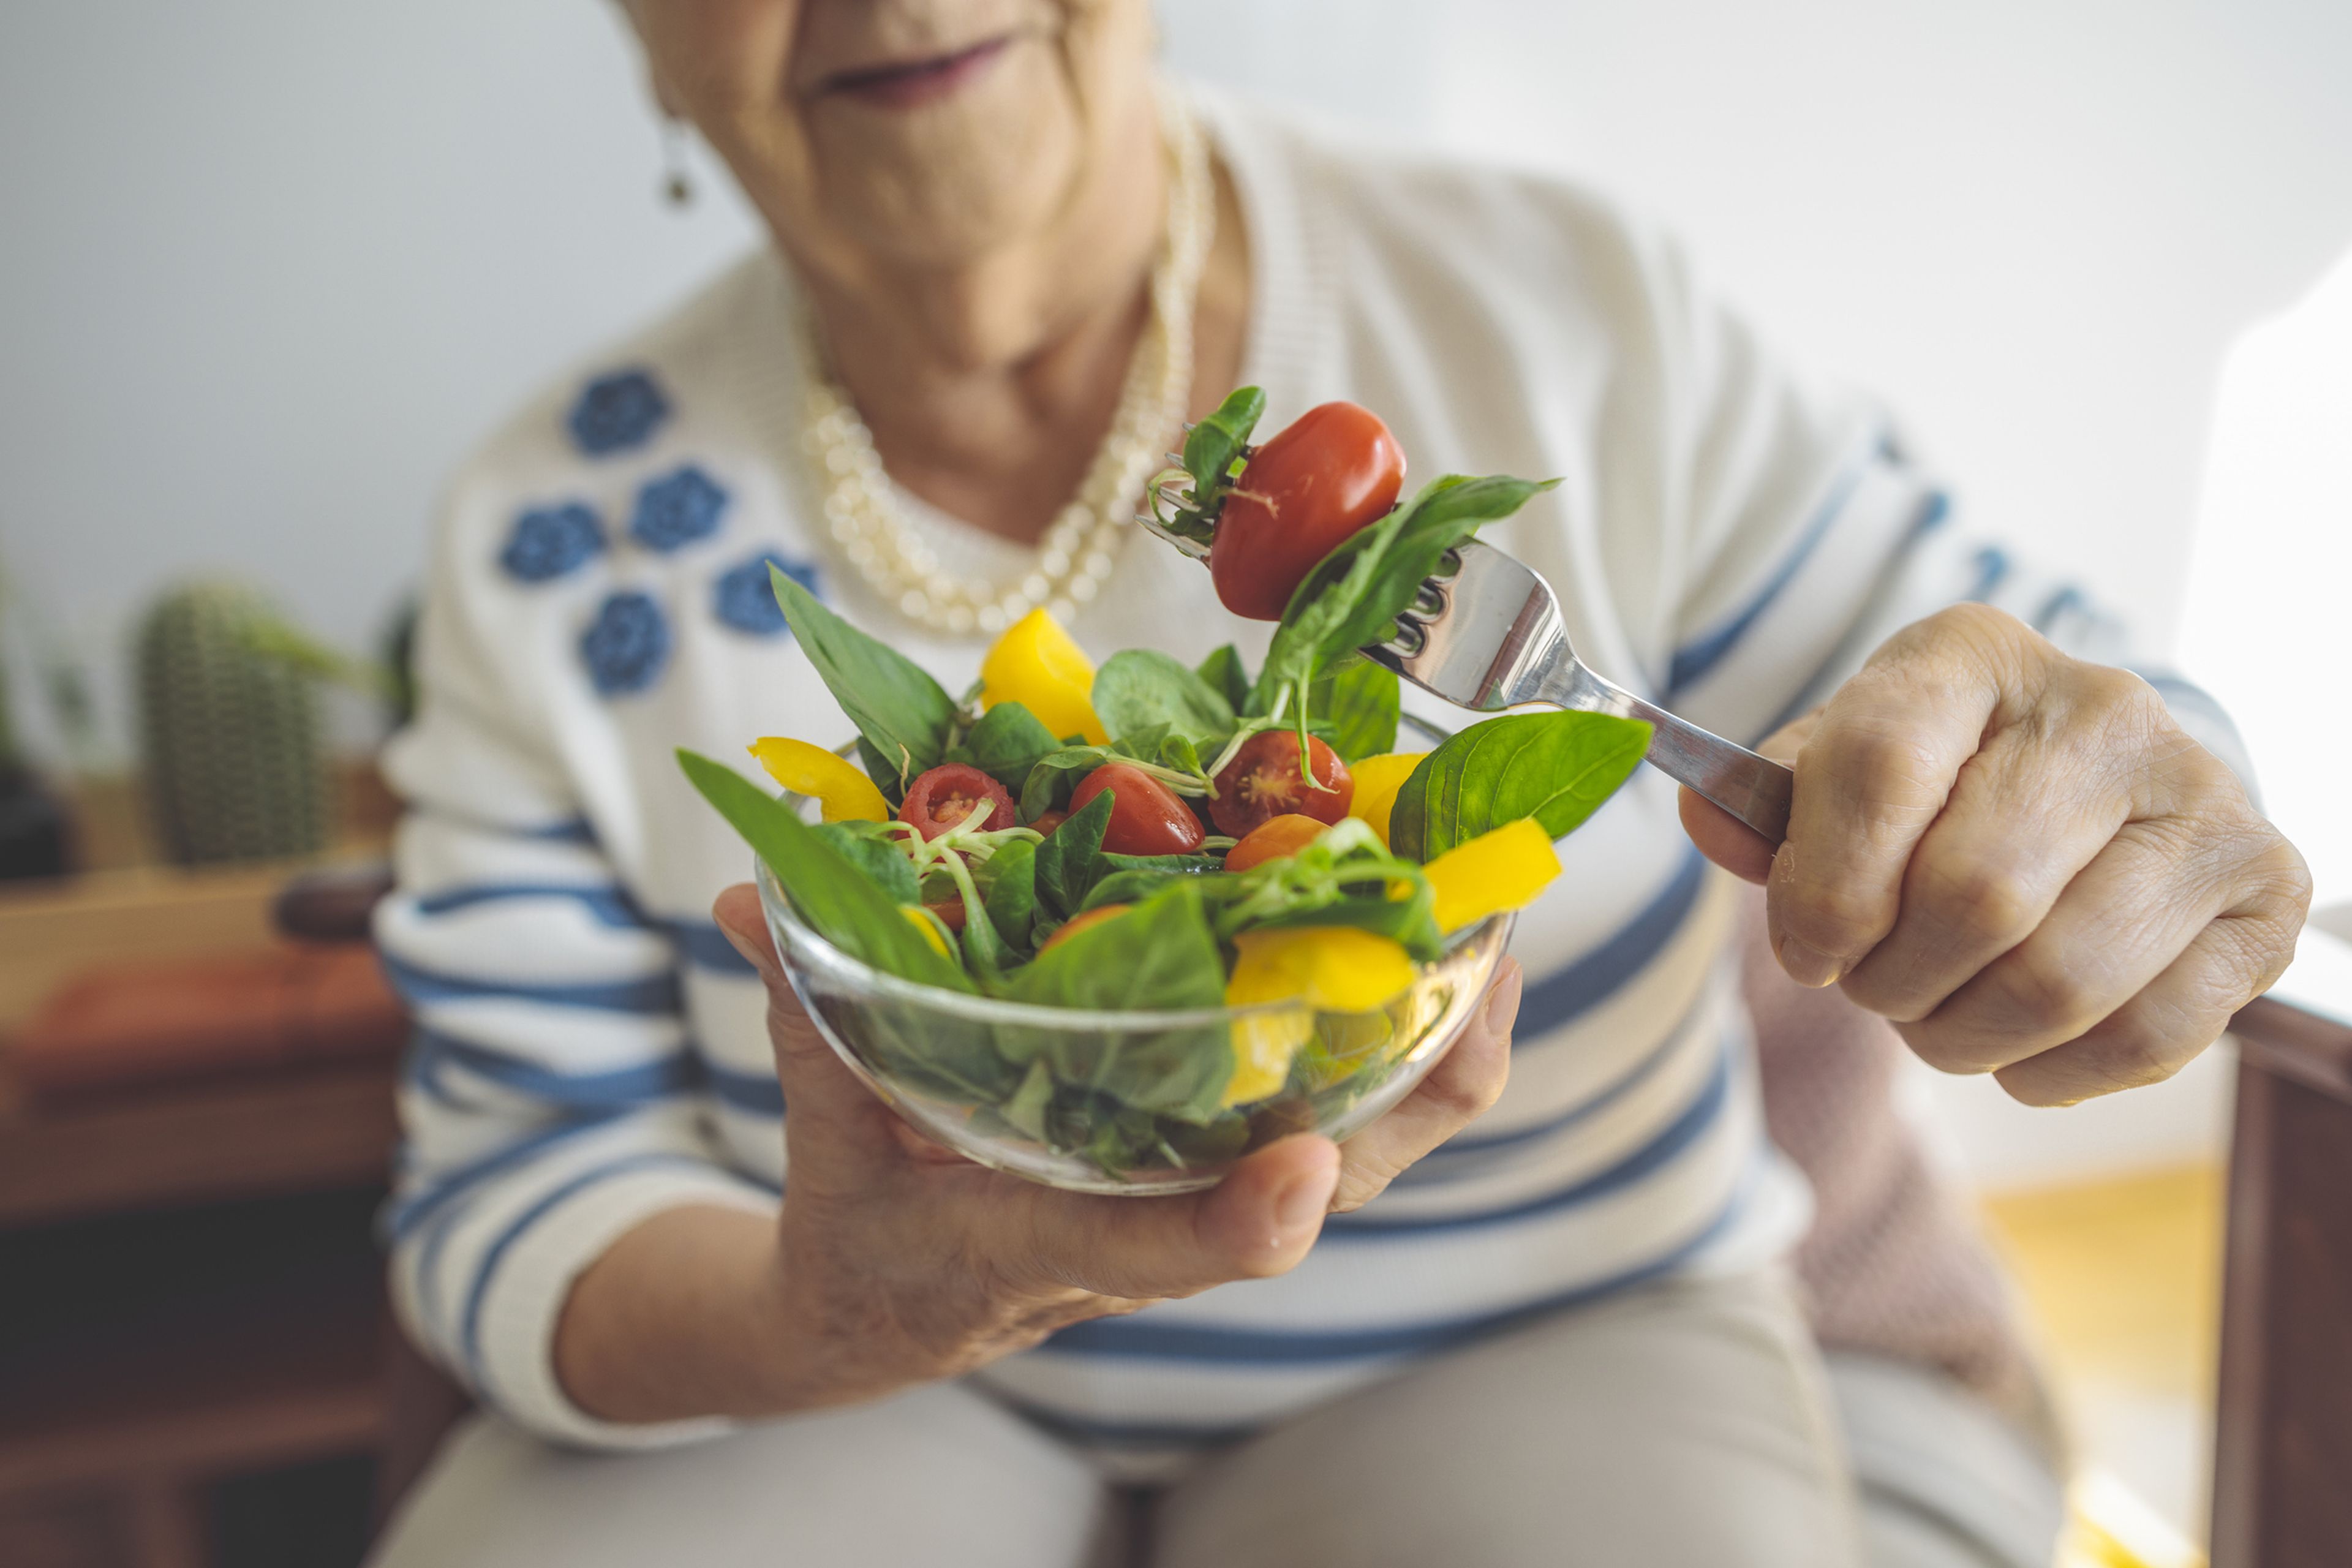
900,1262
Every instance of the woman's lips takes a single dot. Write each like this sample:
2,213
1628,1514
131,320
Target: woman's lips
917,81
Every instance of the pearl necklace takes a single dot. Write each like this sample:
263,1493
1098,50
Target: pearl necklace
1082,545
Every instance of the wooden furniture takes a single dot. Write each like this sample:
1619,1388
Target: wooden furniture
2283,1466
191,1299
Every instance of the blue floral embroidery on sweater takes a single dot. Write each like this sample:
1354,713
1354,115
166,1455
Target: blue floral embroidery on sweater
628,644
677,510
743,598
548,542
617,412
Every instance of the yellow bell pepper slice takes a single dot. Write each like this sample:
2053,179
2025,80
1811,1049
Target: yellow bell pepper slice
1378,779
1038,665
928,924
1504,869
845,794
1337,969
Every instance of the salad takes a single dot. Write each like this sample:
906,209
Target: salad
1154,837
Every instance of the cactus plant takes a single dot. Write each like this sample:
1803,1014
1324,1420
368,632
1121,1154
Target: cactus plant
236,756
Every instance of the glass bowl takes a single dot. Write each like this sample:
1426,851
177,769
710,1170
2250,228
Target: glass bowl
1011,1085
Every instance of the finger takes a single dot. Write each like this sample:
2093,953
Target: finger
833,1122
2160,1030
2121,922
1463,1087
1874,774
1722,837
1257,1222
2026,815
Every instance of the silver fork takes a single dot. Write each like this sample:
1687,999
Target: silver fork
1488,636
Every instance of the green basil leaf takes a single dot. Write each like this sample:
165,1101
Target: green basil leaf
1319,606
1129,887
1555,767
1056,774
1025,1112
1180,864
1139,688
1070,859
891,776
938,1054
834,897
1358,701
1012,893
1178,753
877,855
1216,443
1006,744
903,714
1226,676
1352,597
1158,956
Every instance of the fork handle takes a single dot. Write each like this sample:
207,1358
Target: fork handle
1752,788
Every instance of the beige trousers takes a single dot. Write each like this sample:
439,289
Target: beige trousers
1690,1423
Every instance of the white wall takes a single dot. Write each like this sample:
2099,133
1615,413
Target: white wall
267,266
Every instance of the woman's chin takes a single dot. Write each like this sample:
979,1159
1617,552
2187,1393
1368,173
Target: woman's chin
956,178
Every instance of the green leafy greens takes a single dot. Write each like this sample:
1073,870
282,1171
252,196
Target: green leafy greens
904,718
1555,767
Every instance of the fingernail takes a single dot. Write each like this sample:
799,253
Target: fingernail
1808,965
1503,1002
1301,1204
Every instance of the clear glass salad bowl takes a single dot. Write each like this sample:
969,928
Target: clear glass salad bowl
1096,1102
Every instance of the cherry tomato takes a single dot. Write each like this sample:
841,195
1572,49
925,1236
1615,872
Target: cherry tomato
1333,470
942,797
1078,923
1147,817
1262,783
949,910
1047,821
1273,839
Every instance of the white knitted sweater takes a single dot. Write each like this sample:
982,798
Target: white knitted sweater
589,1052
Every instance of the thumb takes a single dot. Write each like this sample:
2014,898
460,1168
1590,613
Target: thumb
1722,837
1261,1220
825,1106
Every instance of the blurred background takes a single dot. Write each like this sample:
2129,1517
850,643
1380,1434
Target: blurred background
267,268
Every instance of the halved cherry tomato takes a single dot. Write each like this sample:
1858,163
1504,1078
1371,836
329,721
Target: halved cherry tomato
1262,783
1273,839
1147,817
1078,923
949,910
1047,821
1334,469
942,797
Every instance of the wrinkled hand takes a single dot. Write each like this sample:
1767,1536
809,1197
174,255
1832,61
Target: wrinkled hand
2021,860
902,1262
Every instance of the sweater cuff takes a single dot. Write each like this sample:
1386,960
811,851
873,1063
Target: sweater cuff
533,1280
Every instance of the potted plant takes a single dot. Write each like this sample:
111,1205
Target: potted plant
36,831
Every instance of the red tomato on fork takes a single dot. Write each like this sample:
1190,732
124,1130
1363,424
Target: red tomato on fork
1263,783
1332,470
1147,817
942,797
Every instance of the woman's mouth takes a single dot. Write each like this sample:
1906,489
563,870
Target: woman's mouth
913,82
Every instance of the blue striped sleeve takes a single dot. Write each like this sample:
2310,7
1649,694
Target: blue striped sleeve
552,1097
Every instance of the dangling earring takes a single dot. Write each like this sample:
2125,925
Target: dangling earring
677,185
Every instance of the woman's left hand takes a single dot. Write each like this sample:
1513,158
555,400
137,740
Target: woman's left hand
2021,860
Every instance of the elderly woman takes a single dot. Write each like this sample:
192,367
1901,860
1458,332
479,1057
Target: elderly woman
1007,261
